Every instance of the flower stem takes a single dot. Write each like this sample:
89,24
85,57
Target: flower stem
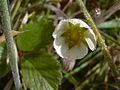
11,47
101,41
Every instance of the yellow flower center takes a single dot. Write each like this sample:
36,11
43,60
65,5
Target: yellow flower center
74,35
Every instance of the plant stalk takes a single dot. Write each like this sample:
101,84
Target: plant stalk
11,47
101,41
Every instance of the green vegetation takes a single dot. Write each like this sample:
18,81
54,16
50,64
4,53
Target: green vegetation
39,67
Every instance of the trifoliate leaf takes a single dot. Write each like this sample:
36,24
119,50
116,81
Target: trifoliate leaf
38,35
41,72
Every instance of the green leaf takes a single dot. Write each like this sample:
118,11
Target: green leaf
4,67
38,35
41,72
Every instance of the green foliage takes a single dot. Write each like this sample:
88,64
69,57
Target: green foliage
37,35
110,24
106,2
4,67
41,72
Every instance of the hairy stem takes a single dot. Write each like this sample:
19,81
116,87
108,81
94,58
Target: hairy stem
11,47
99,38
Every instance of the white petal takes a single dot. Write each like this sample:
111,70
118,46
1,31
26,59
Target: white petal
82,24
90,44
79,21
64,50
91,40
58,42
77,52
58,51
60,29
91,32
63,24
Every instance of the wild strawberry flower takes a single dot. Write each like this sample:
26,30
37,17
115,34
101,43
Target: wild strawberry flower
72,38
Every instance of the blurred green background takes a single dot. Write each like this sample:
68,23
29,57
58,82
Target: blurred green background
40,67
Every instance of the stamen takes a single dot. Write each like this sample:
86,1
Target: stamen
74,35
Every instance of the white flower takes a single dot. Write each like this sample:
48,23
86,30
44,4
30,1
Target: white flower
72,37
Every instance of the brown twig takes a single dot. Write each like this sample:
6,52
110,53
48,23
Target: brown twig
67,5
56,10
